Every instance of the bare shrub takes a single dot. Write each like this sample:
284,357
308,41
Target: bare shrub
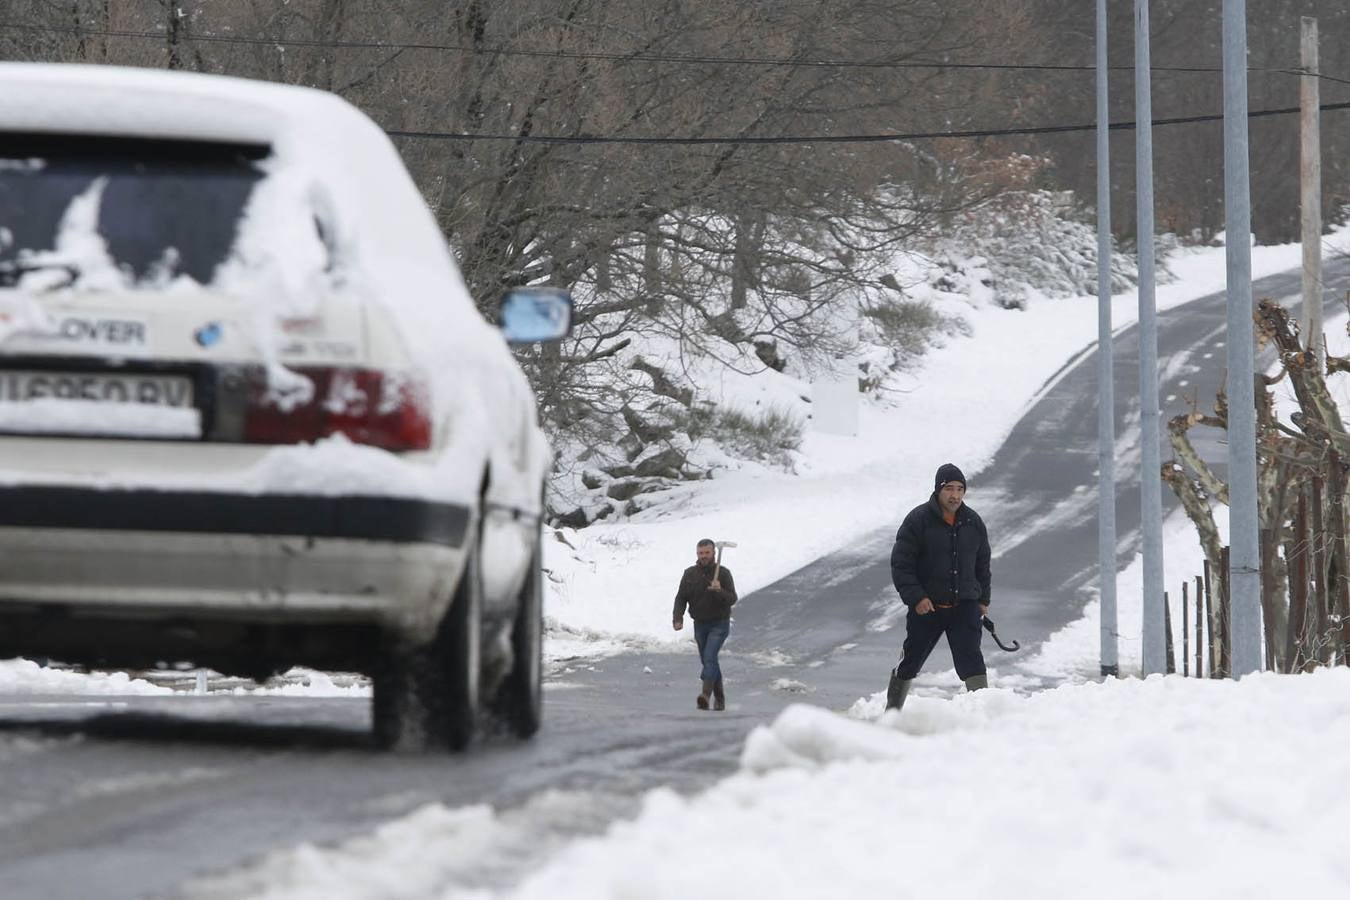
771,436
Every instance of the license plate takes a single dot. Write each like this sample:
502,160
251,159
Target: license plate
173,391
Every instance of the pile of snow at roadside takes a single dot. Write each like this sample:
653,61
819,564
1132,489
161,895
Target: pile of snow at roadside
24,677
1124,788
303,682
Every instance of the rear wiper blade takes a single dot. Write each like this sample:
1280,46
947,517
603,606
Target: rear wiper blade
11,270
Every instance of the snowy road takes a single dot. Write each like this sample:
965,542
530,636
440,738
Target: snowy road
130,796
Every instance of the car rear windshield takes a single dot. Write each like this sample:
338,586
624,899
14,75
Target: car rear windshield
161,208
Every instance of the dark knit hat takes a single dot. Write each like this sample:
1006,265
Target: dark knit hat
945,473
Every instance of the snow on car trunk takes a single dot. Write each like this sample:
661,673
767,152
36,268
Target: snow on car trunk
287,254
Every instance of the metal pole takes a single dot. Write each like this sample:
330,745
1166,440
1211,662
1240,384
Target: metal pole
1150,472
1106,393
1244,568
1310,182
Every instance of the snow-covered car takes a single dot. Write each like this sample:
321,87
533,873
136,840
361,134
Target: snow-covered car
250,417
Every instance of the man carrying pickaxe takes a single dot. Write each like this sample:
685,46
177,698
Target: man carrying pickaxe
708,591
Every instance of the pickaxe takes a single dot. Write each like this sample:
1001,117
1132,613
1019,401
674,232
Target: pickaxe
721,545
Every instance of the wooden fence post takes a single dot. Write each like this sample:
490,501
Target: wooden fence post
1297,552
1272,610
1171,667
1212,616
1225,610
1185,632
1199,626
1318,619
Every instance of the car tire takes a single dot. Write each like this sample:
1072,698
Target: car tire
519,701
426,697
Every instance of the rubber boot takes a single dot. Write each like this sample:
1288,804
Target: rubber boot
719,697
897,690
976,682
702,699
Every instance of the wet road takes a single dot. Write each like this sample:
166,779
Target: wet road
144,796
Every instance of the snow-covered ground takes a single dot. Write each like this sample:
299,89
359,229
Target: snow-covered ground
1124,788
1118,789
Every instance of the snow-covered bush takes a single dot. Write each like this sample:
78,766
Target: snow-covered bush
1031,242
770,436
894,332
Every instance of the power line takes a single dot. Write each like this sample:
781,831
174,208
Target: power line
833,138
1301,72
680,59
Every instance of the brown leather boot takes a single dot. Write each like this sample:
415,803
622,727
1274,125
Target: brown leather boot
719,697
702,699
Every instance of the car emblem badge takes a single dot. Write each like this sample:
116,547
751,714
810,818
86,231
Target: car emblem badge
209,335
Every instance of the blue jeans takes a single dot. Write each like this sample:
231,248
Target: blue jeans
710,637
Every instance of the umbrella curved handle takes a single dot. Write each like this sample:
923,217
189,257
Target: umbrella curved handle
989,627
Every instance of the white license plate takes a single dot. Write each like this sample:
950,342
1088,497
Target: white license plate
173,391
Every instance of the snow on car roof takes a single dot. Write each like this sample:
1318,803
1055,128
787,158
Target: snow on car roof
114,100
326,154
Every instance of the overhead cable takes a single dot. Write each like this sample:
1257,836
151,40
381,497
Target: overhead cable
833,138
615,56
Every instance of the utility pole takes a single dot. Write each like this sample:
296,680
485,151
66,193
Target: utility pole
1244,564
1150,471
1310,183
1106,394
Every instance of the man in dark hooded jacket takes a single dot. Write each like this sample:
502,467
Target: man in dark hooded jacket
940,566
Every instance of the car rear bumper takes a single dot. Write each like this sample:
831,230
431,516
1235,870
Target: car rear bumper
266,559
387,519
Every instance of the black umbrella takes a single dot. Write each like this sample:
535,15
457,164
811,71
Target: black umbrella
989,627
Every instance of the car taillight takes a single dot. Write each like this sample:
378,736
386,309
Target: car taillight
369,406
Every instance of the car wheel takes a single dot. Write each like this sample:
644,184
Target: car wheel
520,698
426,697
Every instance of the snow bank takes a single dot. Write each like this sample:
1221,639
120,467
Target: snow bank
406,858
302,682
1125,788
1119,789
22,676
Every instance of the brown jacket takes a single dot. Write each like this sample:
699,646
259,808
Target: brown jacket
705,604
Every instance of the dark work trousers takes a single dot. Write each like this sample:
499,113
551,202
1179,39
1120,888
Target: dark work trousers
961,624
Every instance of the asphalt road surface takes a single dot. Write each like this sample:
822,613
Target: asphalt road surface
157,796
